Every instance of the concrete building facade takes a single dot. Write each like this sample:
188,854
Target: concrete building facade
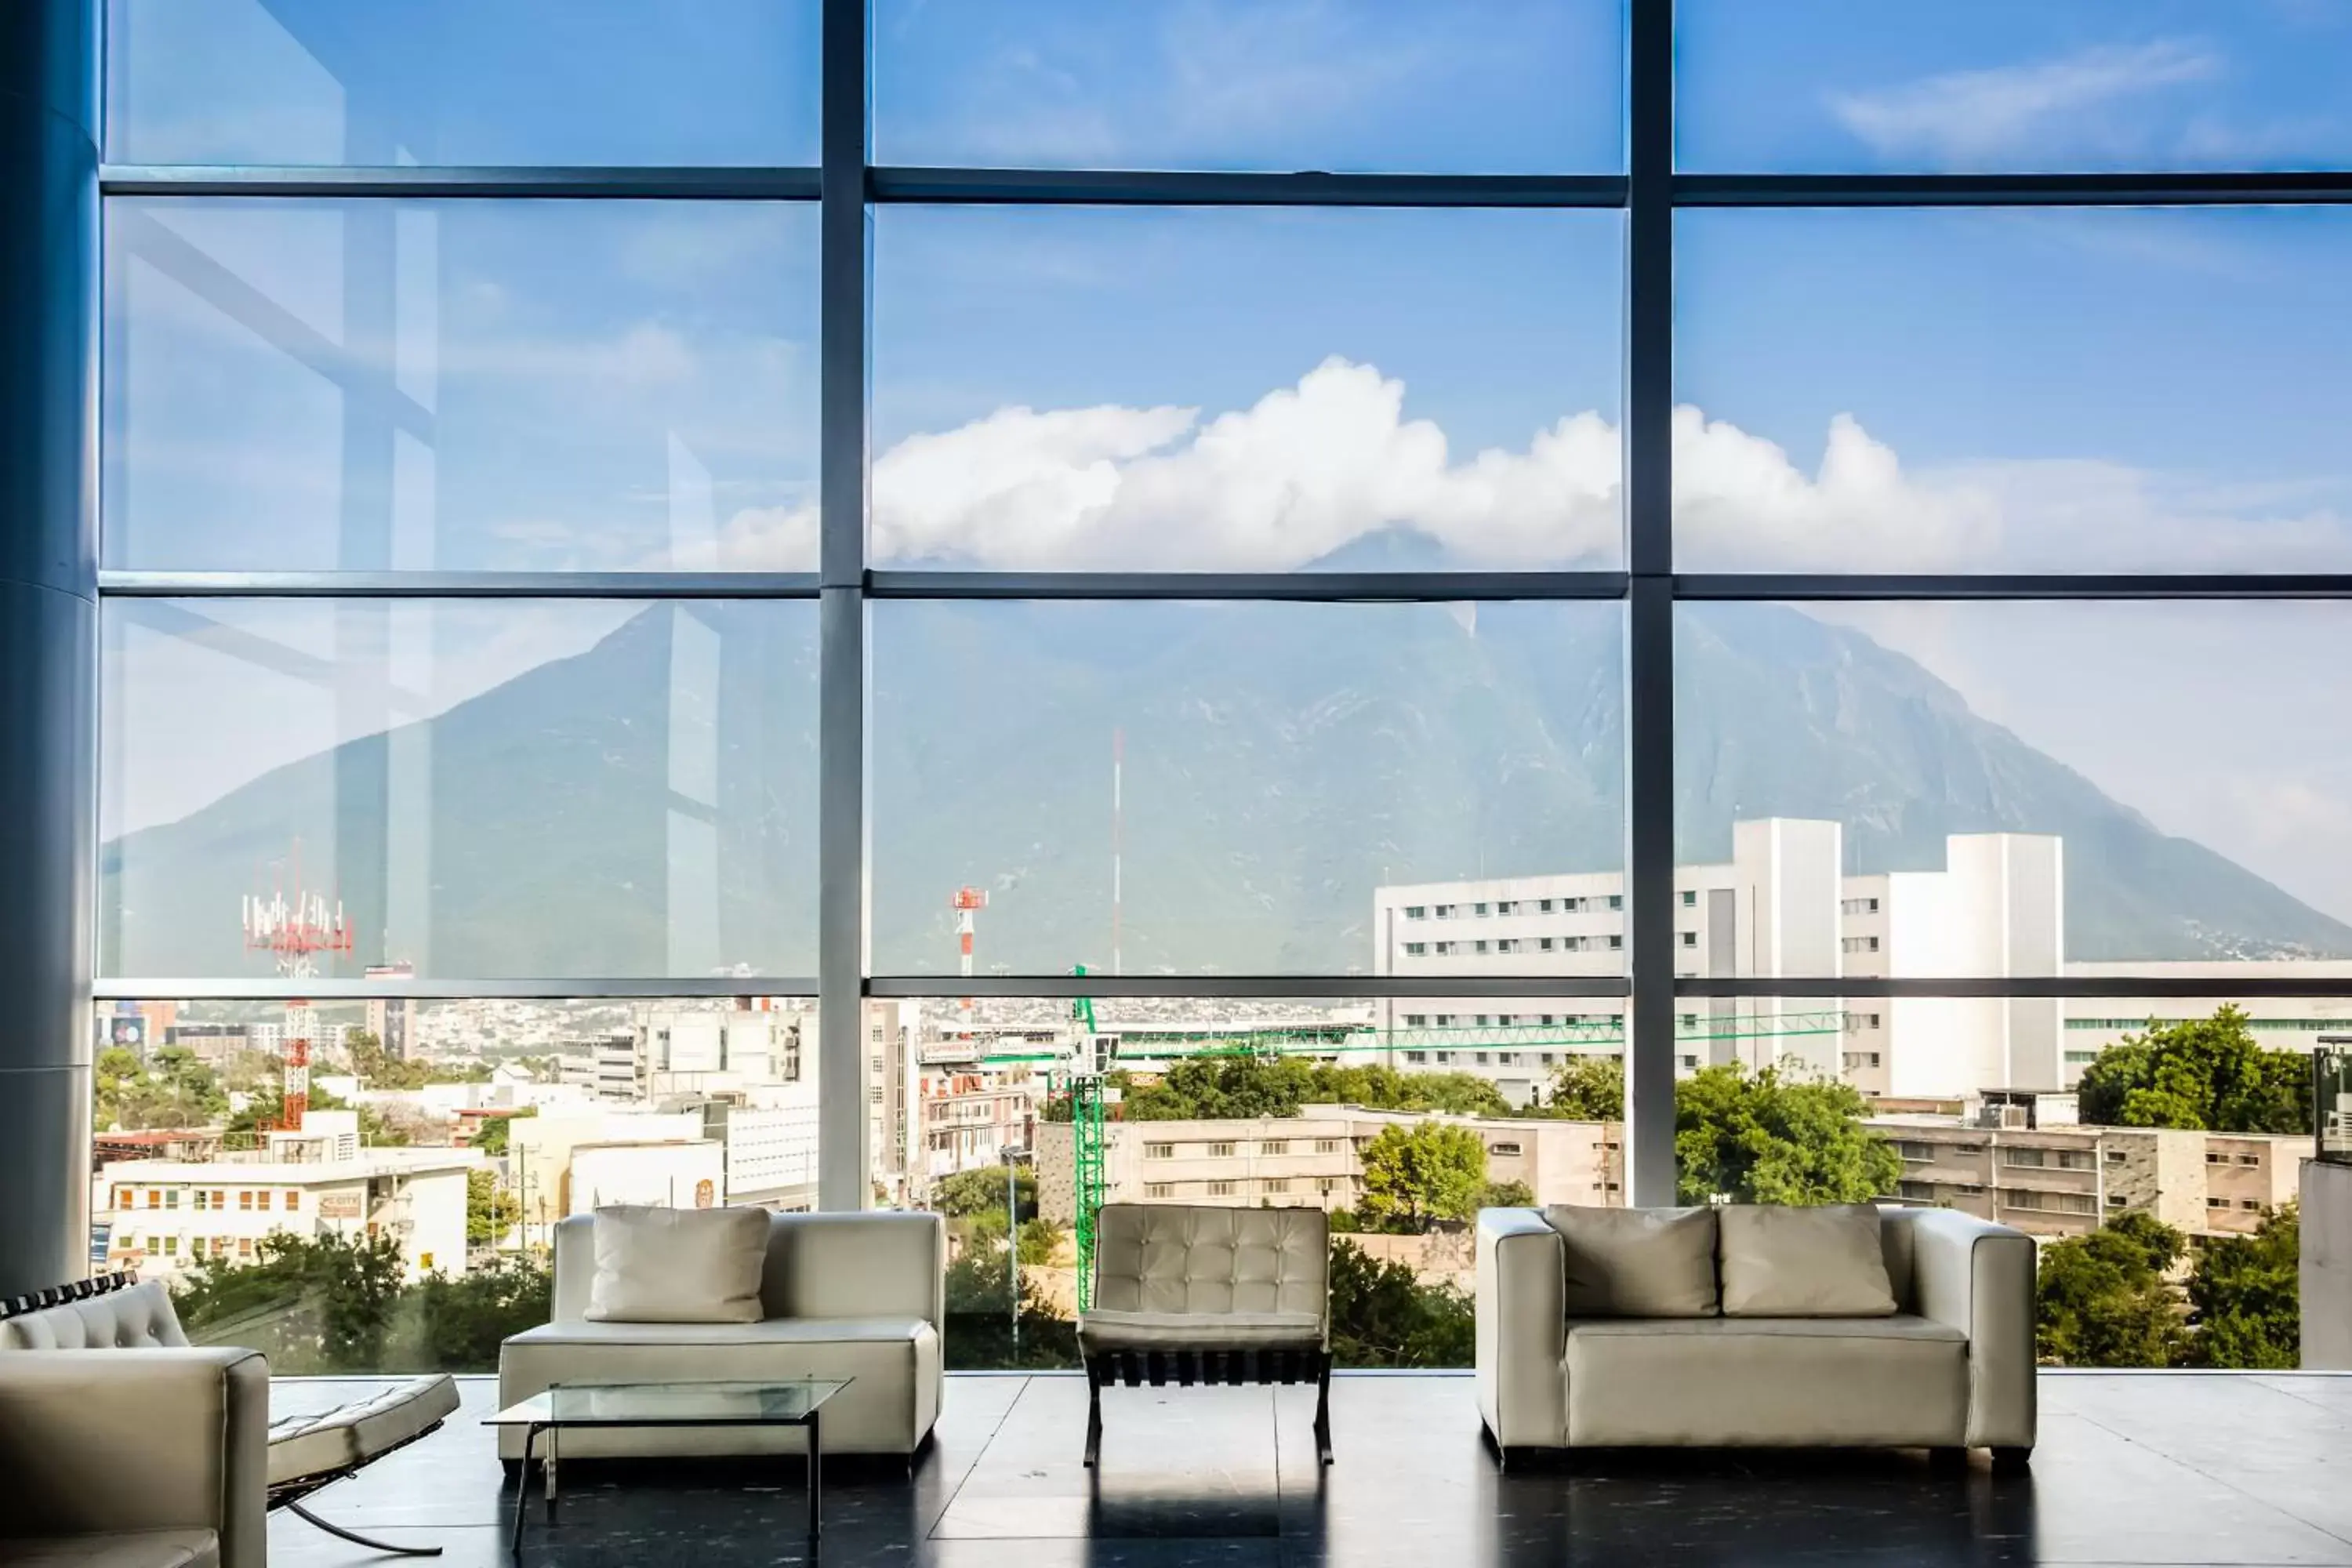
1781,907
1315,1159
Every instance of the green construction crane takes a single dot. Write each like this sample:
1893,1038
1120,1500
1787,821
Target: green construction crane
1086,1140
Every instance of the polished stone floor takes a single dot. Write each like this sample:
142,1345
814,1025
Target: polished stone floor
2133,1467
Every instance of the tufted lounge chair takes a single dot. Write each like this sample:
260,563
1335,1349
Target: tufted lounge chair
122,1334
1208,1295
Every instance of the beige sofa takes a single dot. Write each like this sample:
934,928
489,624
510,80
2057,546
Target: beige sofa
1951,1367
122,1447
856,1295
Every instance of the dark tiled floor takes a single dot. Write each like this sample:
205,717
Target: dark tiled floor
2162,1467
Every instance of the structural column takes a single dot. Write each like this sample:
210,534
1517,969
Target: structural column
1650,606
48,631
845,1077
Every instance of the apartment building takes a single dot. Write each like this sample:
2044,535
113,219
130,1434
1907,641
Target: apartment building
161,1215
1781,906
2056,1181
1316,1158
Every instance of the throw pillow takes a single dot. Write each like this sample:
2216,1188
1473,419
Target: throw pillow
679,1266
1637,1263
1825,1262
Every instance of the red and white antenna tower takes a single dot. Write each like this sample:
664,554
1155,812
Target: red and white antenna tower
966,903
294,927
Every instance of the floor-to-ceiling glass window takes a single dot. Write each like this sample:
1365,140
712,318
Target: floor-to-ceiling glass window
1004,607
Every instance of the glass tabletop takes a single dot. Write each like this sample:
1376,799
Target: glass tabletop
670,1403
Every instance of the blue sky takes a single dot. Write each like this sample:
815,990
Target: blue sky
632,385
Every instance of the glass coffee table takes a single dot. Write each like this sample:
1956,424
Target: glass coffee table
791,1403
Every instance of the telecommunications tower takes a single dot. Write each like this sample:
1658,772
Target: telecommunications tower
294,926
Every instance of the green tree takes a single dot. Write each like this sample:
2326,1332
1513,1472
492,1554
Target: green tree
2247,1297
1773,1137
457,1325
978,1333
489,1212
1243,1084
2199,1073
1507,1196
1428,1173
1382,1316
968,1194
1040,1241
312,1303
494,1137
173,1089
1589,1089
2104,1300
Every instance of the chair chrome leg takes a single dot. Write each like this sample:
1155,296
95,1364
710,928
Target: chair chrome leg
1094,1419
1323,1413
356,1539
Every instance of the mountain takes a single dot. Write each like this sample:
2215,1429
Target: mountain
648,805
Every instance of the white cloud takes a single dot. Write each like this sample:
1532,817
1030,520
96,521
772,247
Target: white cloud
1309,469
1980,117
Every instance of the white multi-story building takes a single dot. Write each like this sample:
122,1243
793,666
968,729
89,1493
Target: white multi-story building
161,1215
2280,1023
1780,908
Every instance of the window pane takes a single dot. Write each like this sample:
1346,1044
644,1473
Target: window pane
1245,390
1196,788
1475,87
1395,1116
2004,789
2067,390
450,1137
2010,85
460,385
470,788
457,82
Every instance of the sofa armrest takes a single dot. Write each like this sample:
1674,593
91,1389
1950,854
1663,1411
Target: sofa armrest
103,1440
871,1263
1979,1277
1522,1329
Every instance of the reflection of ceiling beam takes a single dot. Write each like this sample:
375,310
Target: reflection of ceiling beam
217,286
181,623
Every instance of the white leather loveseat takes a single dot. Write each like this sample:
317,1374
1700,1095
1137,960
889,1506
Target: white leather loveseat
1572,1353
856,1295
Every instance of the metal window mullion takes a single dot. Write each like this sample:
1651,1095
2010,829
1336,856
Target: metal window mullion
1649,613
1349,987
844,1158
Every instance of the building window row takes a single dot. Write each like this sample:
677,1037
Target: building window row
1588,904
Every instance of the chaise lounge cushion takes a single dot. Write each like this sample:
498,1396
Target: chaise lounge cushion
1637,1263
1823,1262
323,1443
679,1266
1115,1330
1900,1380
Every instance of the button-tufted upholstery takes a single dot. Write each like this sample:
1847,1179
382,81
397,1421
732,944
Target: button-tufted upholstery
1166,1258
137,1318
1213,1295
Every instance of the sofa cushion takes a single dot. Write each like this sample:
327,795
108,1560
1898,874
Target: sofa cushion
320,1443
1637,1263
1106,1331
679,1266
116,1549
1824,1262
1890,1382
